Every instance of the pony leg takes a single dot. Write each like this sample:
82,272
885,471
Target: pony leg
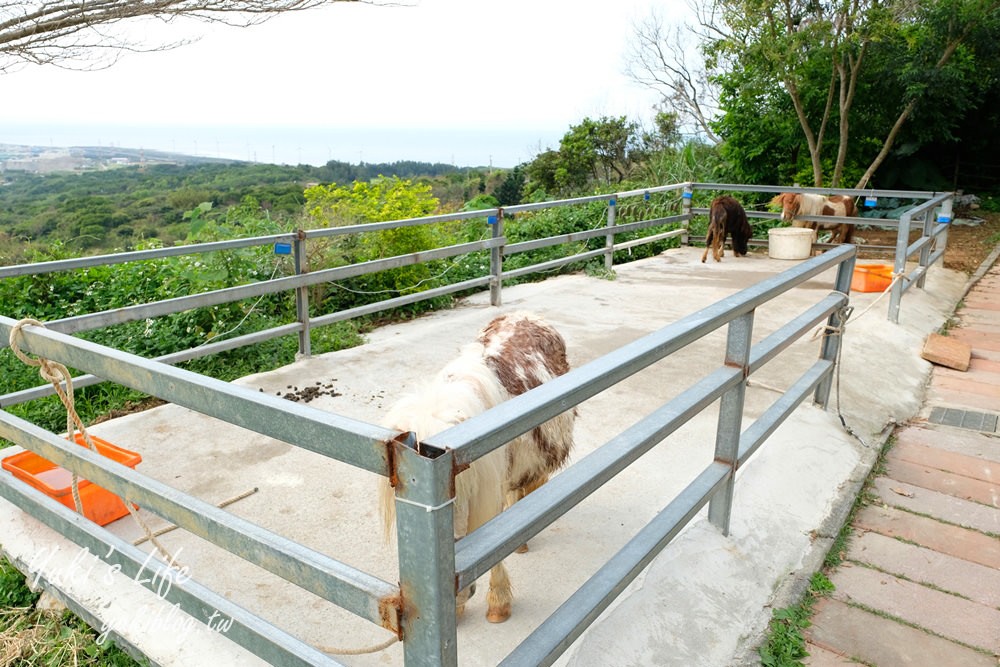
708,244
521,492
500,596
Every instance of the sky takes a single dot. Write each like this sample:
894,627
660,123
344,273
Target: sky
438,80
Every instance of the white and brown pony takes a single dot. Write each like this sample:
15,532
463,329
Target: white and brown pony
726,217
793,204
514,353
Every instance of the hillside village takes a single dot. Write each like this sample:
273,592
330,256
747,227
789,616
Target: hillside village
48,159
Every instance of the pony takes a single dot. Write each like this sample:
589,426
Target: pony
793,204
726,216
512,354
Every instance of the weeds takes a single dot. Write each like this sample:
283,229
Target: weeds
30,636
786,643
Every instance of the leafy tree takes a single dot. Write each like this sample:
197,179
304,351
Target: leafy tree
43,32
602,151
510,191
821,92
380,200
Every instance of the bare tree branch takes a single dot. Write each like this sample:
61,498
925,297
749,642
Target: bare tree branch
663,62
67,32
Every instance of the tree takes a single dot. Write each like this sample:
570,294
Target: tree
46,32
814,63
604,151
666,63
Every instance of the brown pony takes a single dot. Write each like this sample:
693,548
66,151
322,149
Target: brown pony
726,216
793,204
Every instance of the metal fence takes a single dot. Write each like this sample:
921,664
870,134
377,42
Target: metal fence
432,566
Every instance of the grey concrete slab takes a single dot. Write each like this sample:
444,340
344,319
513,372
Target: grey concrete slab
704,601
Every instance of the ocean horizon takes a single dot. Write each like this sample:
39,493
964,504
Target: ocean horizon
463,147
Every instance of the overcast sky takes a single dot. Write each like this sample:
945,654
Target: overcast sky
526,65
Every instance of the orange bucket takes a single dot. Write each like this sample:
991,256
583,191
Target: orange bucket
871,277
99,505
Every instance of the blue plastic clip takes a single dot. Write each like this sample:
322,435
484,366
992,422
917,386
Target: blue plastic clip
687,195
944,219
645,196
282,248
611,202
870,201
491,220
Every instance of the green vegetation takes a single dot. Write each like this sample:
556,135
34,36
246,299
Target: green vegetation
786,645
31,636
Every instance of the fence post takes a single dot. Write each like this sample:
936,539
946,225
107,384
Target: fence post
302,295
942,217
496,258
727,438
609,240
833,338
925,252
686,197
899,266
426,543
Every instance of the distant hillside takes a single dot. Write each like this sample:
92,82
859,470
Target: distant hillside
102,198
49,159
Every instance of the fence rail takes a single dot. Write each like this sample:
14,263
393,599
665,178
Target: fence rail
431,565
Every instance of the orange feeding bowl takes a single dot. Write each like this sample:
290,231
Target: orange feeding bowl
99,505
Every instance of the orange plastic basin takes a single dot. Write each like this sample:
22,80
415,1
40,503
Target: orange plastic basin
99,505
871,277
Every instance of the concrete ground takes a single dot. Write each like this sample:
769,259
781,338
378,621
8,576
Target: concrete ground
705,600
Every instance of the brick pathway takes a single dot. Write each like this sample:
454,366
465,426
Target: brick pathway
920,585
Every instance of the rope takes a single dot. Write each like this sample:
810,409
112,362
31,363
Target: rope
57,373
166,529
359,651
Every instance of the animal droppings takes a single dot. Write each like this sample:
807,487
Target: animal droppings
307,394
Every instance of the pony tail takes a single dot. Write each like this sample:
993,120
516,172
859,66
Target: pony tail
387,508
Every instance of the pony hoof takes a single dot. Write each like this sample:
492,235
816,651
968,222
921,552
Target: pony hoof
523,549
498,615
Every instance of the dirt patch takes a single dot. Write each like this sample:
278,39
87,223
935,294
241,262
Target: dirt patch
968,245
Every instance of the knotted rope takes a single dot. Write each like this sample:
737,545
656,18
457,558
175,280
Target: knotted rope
57,374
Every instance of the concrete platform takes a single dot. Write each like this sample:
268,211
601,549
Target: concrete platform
705,600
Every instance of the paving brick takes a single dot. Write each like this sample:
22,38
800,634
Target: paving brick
938,505
944,614
963,543
979,583
977,375
974,318
979,365
979,303
945,351
821,657
932,457
963,442
968,385
882,642
959,486
979,340
958,398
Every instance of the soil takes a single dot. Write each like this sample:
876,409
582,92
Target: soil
968,245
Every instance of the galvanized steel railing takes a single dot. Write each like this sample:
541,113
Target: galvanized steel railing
432,566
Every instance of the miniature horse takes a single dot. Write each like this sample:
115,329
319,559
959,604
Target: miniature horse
726,216
514,353
793,204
